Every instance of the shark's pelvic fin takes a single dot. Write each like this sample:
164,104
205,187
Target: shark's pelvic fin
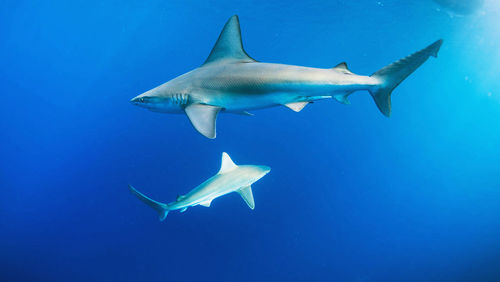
243,113
392,75
203,118
161,208
229,47
246,194
227,164
206,203
296,106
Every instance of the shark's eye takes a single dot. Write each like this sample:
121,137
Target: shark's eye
142,100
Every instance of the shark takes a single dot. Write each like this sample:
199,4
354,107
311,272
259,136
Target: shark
230,81
230,178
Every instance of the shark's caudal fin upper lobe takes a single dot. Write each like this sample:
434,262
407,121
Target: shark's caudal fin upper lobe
392,75
161,208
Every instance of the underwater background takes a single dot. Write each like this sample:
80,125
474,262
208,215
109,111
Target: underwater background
352,195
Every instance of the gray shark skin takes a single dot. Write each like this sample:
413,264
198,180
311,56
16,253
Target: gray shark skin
230,178
231,81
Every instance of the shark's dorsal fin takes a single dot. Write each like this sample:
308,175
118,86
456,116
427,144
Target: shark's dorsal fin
180,198
203,118
229,47
246,194
227,164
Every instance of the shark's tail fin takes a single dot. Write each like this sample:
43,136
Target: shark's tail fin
393,74
161,208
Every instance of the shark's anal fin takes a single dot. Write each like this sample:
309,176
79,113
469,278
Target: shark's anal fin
203,118
296,106
226,164
246,194
342,98
229,47
206,203
184,209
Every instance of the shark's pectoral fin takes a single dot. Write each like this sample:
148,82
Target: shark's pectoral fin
184,209
246,194
203,118
206,203
296,106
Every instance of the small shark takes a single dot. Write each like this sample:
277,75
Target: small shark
231,81
230,178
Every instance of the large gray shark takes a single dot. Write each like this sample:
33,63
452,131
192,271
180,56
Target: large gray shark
231,81
230,178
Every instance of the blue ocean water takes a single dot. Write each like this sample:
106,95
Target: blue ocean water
352,195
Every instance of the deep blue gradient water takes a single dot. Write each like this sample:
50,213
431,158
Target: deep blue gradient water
352,195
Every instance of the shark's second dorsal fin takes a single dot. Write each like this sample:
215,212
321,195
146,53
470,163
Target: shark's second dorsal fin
227,163
342,67
229,47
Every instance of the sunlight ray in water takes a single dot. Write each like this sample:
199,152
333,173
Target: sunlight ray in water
353,195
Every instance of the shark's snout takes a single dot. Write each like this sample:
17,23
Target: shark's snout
263,170
266,169
143,101
137,100
160,102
